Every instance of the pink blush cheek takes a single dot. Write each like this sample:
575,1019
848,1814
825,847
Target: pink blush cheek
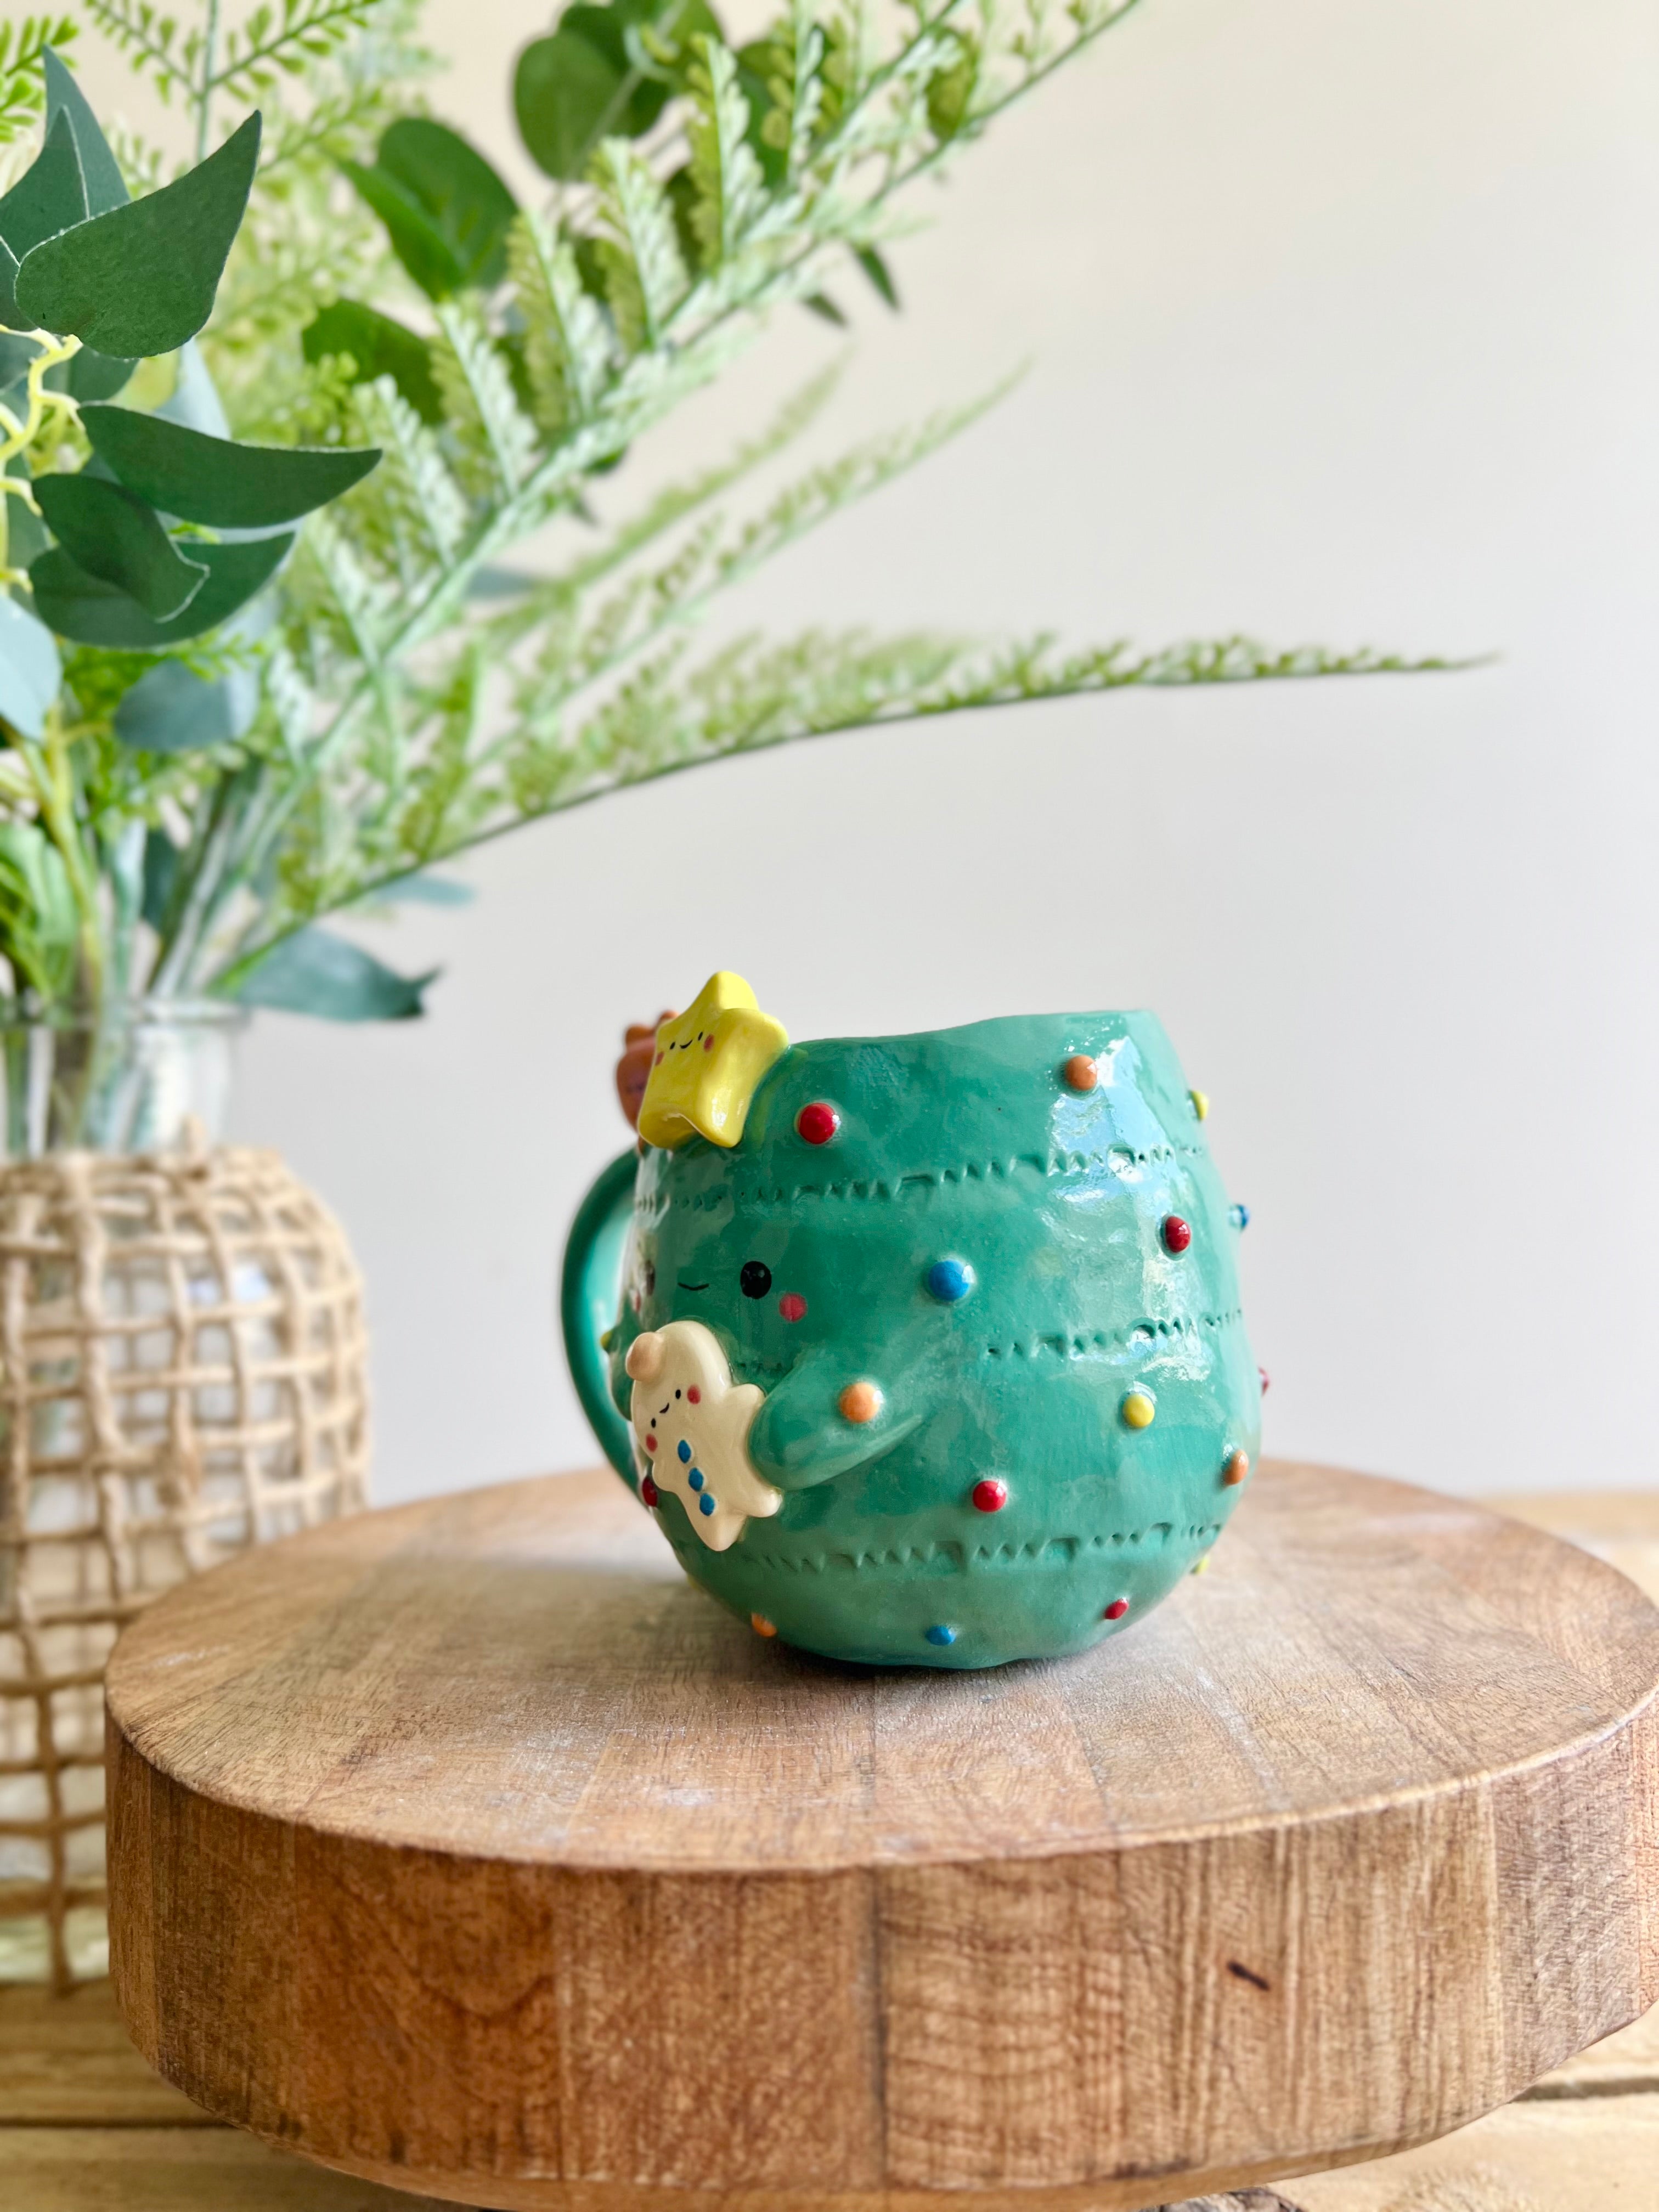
792,1306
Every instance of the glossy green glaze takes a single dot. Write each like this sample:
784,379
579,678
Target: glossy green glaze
968,1146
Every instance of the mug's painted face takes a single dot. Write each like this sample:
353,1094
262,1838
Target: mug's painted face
757,1286
993,1312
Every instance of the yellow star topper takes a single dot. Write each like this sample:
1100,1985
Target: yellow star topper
708,1062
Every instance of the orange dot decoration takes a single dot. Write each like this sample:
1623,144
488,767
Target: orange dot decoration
762,1625
1236,1469
860,1402
1081,1073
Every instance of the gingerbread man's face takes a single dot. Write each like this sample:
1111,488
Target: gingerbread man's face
690,1427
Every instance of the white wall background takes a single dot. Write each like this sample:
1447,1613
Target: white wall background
1343,325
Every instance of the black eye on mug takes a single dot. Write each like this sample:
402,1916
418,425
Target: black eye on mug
756,1280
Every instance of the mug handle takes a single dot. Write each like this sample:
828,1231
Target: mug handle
589,1299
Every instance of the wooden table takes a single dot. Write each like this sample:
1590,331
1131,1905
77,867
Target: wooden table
87,2125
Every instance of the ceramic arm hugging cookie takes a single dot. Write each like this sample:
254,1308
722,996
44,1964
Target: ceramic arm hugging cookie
815,1424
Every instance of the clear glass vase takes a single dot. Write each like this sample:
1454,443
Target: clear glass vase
138,1075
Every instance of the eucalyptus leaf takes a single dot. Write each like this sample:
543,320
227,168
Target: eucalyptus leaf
567,95
447,213
413,237
16,352
875,268
216,481
26,533
603,74
161,862
172,709
141,279
50,196
30,669
121,541
11,315
95,375
379,347
82,607
314,972
107,187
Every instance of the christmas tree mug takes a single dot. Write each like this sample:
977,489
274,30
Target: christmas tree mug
922,1350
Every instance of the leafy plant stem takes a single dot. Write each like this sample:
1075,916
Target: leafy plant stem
21,435
204,102
52,773
248,954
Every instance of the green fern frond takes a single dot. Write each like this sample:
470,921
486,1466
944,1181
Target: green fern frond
22,90
410,710
495,444
568,348
152,44
645,277
676,501
725,177
410,510
287,38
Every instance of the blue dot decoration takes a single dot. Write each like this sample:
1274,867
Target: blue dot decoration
706,1502
950,1280
684,1449
941,1634
1239,1216
695,1478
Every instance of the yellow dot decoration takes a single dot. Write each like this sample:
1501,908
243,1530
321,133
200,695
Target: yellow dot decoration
1202,1566
762,1625
1201,1103
1138,1409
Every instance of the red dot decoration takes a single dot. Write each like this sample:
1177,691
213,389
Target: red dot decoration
817,1123
990,1495
1117,1609
1178,1233
793,1306
694,1396
1266,1380
649,1491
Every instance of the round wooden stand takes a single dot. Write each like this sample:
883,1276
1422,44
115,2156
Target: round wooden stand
467,1848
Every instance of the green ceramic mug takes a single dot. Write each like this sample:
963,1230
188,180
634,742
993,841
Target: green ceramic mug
922,1350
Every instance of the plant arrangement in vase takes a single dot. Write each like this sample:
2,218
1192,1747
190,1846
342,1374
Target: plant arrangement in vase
271,428
181,1352
226,725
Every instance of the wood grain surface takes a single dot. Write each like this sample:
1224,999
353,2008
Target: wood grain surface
85,2124
467,1849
